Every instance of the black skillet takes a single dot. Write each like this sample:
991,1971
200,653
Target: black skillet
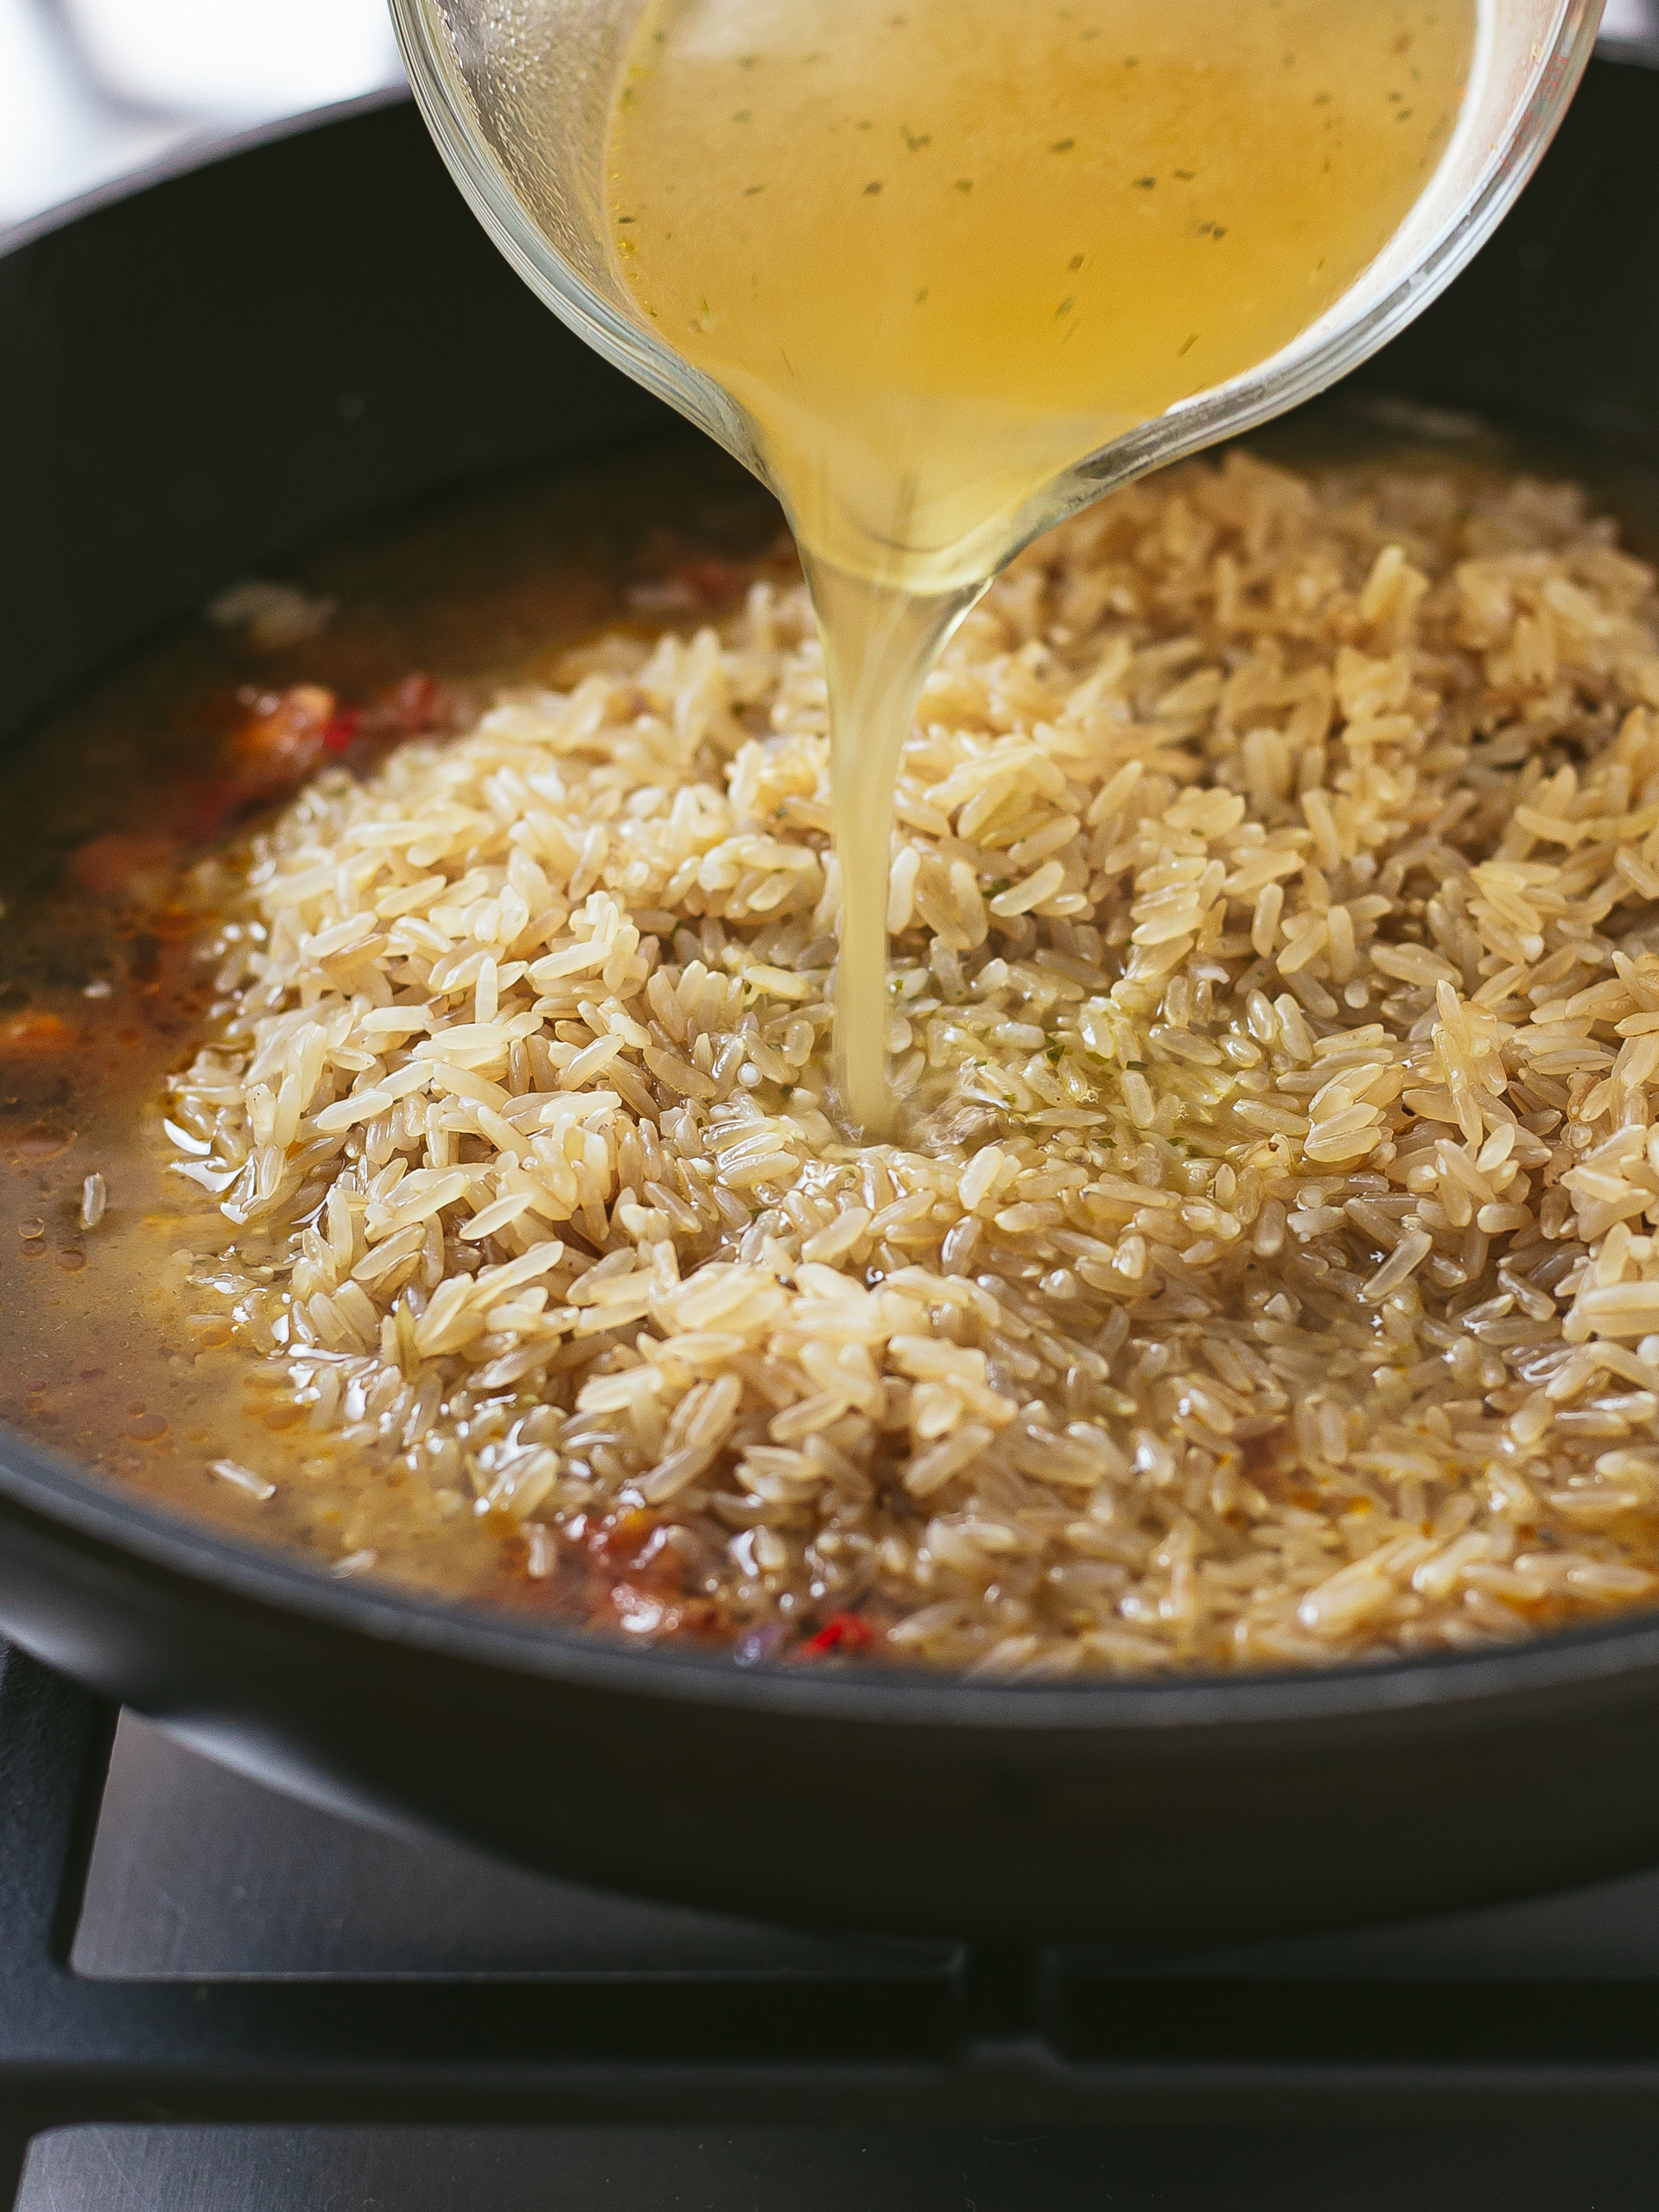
197,375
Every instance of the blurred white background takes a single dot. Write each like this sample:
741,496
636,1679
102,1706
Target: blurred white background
1633,24
92,89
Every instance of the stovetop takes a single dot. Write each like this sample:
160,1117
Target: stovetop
212,1997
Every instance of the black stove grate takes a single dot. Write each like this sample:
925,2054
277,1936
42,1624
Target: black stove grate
816,2040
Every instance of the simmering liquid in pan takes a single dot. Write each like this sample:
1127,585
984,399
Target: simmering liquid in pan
942,250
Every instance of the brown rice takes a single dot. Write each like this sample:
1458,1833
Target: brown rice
1268,1275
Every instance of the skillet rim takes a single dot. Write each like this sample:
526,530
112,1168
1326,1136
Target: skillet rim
191,155
50,1486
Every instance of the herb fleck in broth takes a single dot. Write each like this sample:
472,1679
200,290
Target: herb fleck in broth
1151,1350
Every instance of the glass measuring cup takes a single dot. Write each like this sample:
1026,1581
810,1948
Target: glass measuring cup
889,582
478,66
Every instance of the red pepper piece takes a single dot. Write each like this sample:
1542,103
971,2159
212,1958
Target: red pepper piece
841,1632
341,729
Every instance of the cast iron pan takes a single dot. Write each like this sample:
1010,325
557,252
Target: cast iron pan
198,374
